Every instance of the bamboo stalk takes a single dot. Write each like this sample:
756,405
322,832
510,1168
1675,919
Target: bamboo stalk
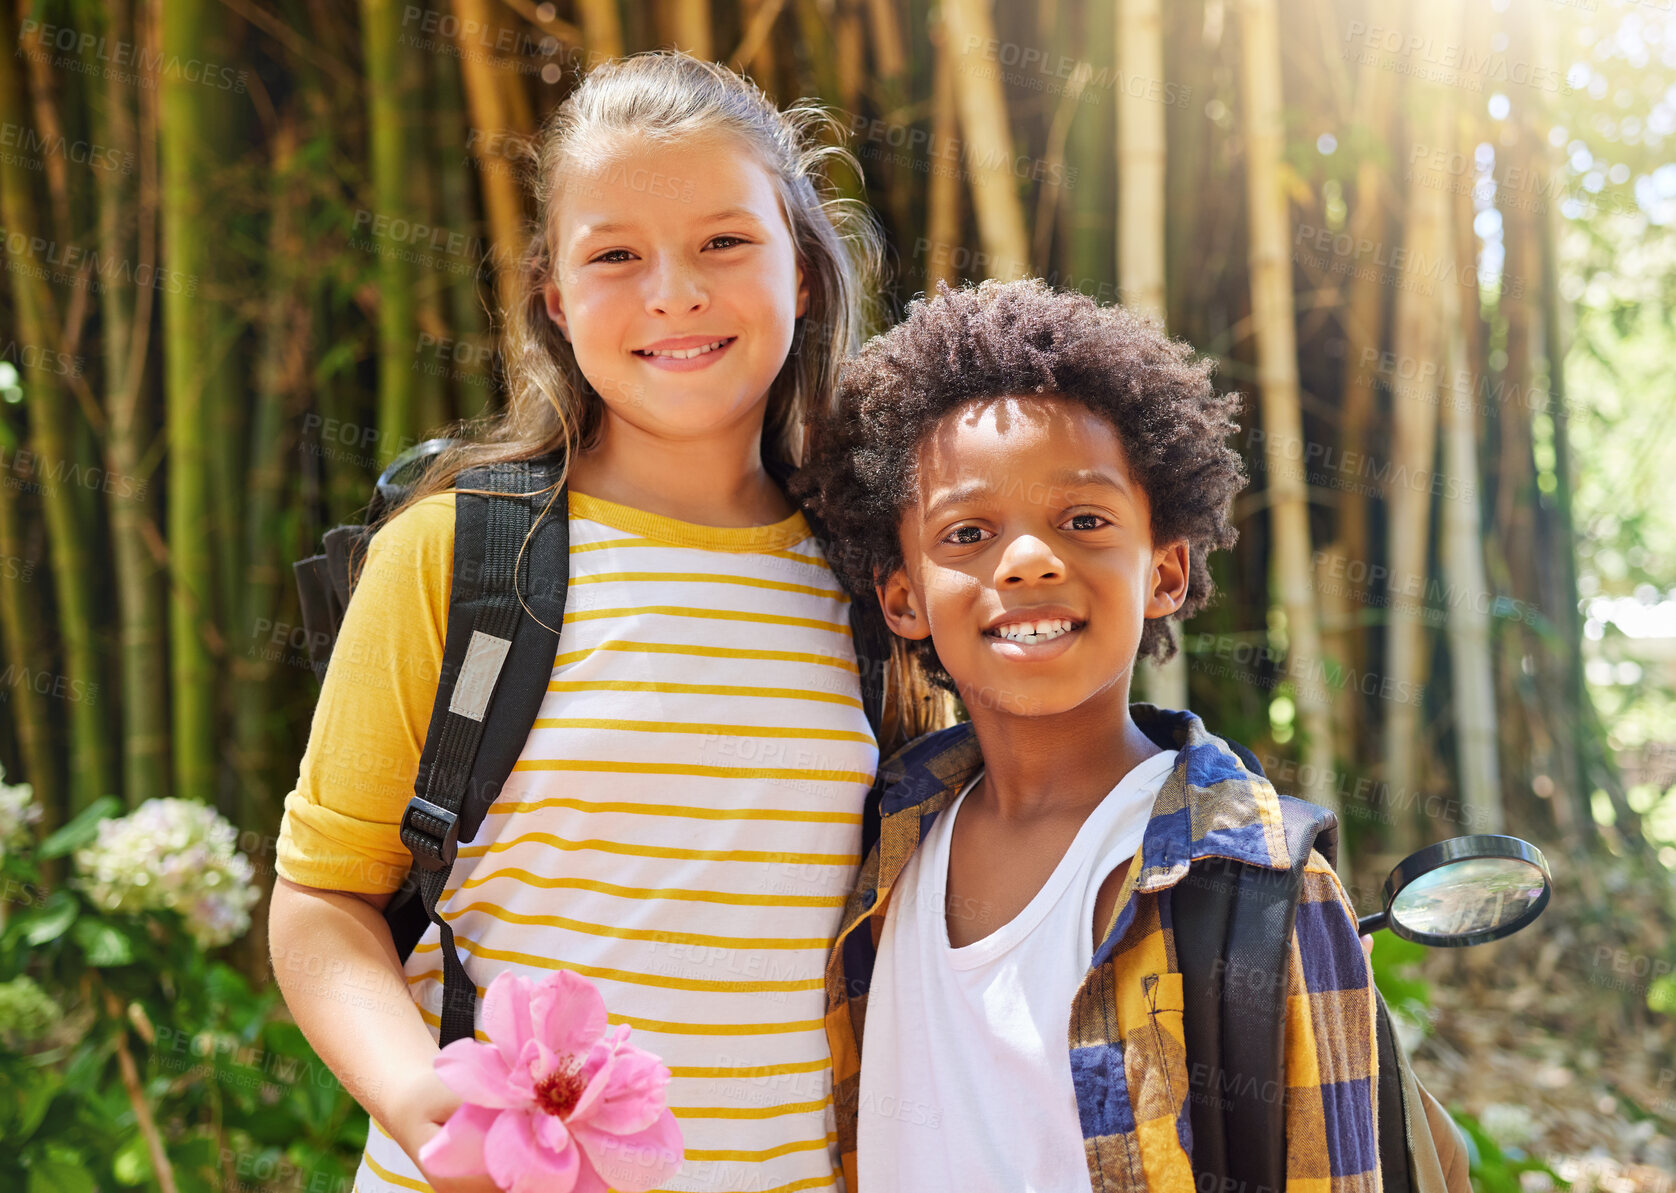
389,94
52,436
602,28
943,191
1277,379
1141,228
690,21
1471,674
1419,341
490,113
184,143
122,213
987,139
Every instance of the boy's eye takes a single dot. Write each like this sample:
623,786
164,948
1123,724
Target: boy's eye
964,536
1086,521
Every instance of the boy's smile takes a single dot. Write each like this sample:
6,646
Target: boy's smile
1028,558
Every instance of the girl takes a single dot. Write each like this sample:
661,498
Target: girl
685,817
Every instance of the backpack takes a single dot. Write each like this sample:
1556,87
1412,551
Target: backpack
497,661
1234,918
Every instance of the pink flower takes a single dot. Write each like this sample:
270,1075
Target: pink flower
555,1101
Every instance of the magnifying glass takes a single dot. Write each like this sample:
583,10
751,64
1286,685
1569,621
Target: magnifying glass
1464,891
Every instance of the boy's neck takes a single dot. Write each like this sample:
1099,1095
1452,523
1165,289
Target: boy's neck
717,481
1049,765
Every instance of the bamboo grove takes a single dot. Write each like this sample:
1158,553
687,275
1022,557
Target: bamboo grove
254,248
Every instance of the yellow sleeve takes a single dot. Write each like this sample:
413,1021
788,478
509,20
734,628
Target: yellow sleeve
342,822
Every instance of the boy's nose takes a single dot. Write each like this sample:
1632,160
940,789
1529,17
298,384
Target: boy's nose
1028,560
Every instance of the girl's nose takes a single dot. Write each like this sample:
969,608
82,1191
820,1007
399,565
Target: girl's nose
1028,560
676,290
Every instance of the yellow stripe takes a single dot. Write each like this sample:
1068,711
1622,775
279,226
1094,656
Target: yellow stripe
613,767
709,578
699,689
582,805
770,1153
718,1029
657,936
607,544
695,855
813,623
732,898
701,727
748,1111
712,652
662,1027
404,1181
726,1074
629,977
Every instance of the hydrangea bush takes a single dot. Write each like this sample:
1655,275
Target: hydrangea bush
173,854
114,1012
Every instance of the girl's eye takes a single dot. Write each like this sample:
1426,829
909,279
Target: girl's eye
735,239
1086,521
965,536
606,256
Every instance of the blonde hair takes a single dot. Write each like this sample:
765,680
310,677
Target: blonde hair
665,97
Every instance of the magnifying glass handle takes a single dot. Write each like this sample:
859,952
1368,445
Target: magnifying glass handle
1371,923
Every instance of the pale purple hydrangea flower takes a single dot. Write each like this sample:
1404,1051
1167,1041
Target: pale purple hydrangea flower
177,854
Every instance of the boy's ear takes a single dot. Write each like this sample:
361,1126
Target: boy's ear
555,307
901,607
1169,579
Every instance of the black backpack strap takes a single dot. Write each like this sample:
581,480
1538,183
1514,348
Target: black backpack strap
1232,924
497,662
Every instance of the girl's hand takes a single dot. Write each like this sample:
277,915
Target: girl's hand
422,1114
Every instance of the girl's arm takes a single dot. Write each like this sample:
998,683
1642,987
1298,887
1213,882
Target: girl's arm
337,968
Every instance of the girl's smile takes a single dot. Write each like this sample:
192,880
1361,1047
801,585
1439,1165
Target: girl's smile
685,354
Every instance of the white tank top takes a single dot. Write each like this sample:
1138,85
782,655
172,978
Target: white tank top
966,1077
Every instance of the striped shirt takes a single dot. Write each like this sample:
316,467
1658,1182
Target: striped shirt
681,827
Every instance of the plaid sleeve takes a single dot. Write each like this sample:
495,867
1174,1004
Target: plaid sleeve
1331,1058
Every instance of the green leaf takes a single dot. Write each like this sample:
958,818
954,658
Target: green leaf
132,1164
103,945
60,1176
82,829
32,1107
52,920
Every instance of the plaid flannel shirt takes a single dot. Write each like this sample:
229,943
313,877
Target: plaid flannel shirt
1128,1055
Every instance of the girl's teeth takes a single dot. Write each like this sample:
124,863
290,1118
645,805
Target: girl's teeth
685,353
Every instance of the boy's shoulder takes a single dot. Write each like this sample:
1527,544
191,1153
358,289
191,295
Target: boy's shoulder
929,761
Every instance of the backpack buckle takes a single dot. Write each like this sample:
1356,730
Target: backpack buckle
431,833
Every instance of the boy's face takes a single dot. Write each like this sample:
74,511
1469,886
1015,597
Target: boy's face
1028,557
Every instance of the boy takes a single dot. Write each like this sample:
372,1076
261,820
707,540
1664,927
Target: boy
1030,484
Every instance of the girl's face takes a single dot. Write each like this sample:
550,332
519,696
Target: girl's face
672,249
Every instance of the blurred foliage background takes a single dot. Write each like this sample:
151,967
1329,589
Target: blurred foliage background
253,250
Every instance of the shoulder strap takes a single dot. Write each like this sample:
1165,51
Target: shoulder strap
1232,924
497,660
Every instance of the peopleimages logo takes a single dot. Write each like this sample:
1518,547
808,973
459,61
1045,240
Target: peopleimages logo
78,47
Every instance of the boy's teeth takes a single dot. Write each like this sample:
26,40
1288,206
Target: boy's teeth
1031,632
685,353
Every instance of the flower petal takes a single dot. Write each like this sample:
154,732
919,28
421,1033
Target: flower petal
633,1163
478,1073
567,1012
457,1149
634,1083
518,1162
506,1014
